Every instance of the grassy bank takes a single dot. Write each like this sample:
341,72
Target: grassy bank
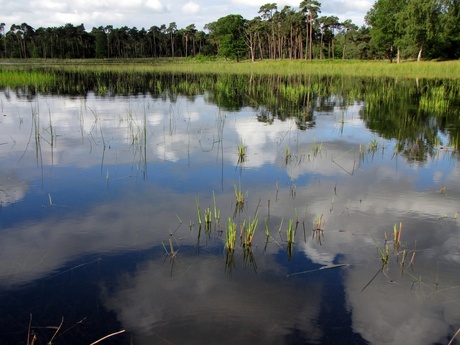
407,69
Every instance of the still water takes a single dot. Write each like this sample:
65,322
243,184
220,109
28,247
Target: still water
99,226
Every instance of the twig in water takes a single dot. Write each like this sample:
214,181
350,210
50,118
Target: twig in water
108,336
372,279
57,331
455,335
28,331
328,267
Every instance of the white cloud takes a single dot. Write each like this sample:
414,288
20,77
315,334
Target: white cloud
48,5
145,13
155,5
190,8
12,189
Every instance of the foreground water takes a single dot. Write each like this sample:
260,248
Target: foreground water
100,230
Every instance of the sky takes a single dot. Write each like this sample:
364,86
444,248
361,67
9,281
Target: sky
147,13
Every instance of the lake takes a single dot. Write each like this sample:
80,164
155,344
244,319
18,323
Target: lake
194,209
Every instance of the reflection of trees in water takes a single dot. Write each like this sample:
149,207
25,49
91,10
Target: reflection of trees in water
422,115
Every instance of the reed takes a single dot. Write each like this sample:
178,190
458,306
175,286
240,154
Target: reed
198,210
287,155
250,231
216,211
290,233
397,236
207,218
318,229
373,146
239,195
249,259
230,235
241,152
406,69
317,148
384,252
267,230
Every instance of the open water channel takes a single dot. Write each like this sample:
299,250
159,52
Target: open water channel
100,190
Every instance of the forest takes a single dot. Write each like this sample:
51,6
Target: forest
393,30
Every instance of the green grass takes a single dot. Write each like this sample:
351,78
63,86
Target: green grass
239,195
249,231
406,69
241,152
230,235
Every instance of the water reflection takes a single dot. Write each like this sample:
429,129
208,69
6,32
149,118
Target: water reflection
111,185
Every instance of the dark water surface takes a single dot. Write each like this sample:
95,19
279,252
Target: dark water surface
99,228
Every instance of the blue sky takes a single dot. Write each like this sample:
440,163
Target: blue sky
146,13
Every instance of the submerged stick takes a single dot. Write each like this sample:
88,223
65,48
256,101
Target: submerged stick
328,267
455,335
108,336
57,331
375,276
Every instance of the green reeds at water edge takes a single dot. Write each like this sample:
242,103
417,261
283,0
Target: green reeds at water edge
216,211
385,254
207,216
318,229
230,235
385,250
249,231
397,236
241,152
239,196
198,210
287,155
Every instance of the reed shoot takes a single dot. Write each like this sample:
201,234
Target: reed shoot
317,148
287,155
230,235
239,196
290,234
250,231
216,211
397,236
207,216
241,152
198,210
267,230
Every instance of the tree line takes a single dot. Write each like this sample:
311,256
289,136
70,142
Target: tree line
393,29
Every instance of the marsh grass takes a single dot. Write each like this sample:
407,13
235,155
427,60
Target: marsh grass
287,155
249,259
397,236
20,74
216,210
241,152
400,255
198,211
207,217
318,229
317,148
290,236
373,146
249,230
239,196
230,235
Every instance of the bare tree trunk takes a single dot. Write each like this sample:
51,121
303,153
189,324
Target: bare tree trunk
399,56
419,56
311,37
